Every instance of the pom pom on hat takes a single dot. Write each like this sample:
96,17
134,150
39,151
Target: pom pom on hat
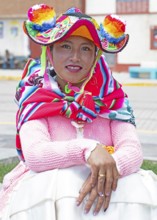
41,17
113,28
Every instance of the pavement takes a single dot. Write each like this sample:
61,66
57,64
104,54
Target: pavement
148,136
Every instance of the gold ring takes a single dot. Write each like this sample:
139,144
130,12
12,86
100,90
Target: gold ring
101,175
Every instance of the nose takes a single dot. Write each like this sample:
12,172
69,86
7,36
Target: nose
75,56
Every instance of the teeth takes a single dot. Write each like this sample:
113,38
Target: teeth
73,67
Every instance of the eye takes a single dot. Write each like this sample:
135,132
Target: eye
66,46
86,48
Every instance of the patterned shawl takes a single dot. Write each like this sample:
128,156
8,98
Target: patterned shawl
39,97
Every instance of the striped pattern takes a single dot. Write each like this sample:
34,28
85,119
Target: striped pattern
41,97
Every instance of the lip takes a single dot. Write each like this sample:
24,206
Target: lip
73,68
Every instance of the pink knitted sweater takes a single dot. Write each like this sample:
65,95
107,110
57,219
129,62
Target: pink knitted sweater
56,143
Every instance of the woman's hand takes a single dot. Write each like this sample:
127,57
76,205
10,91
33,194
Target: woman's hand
103,171
93,197
101,182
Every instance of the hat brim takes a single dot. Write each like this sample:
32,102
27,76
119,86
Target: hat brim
59,33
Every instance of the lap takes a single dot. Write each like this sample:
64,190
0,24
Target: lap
54,193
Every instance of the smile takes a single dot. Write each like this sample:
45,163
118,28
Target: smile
73,68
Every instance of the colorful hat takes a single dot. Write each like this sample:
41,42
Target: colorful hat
45,29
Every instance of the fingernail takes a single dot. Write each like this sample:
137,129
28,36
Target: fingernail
95,213
85,211
101,194
105,210
107,194
77,203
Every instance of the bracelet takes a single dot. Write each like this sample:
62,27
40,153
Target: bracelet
110,149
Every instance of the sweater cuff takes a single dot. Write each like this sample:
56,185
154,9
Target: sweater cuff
118,167
90,145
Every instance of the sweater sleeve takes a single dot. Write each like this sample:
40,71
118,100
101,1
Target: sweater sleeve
41,153
128,152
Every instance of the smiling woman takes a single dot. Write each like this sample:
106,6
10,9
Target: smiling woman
73,60
79,152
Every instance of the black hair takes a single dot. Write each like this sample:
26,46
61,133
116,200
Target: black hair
52,72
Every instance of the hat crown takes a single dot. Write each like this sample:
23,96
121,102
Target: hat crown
76,12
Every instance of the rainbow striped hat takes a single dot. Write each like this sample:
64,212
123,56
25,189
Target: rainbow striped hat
45,29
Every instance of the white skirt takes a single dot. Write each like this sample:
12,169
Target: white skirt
51,195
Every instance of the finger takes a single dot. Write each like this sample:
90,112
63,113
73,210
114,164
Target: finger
101,181
89,202
82,195
99,204
87,181
83,192
94,175
108,182
115,179
106,202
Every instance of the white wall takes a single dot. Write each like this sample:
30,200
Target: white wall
138,48
14,38
100,6
139,39
153,5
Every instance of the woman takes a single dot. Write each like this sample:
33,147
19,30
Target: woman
76,138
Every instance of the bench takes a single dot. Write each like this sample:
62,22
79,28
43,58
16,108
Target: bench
143,72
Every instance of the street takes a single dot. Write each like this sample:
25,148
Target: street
142,98
144,102
8,107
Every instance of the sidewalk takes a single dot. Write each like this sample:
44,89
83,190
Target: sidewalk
149,141
9,74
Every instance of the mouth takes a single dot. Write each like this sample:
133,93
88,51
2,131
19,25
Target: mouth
73,68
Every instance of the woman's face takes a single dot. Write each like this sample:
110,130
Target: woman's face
73,59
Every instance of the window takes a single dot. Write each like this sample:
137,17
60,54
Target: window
1,29
154,38
132,6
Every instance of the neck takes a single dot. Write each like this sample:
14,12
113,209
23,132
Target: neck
62,83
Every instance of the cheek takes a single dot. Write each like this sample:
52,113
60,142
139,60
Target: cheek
56,60
56,66
89,61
